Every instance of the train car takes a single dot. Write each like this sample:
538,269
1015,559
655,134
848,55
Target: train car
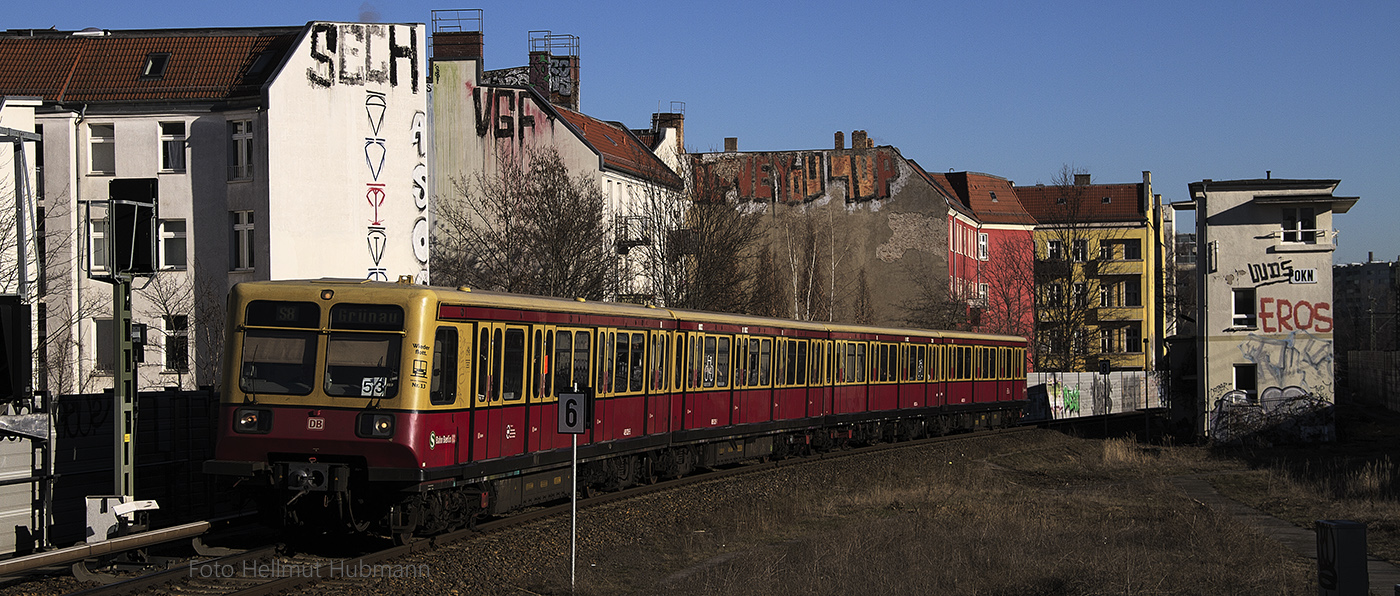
414,409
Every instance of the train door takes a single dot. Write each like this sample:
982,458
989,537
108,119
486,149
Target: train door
543,401
447,425
658,407
501,366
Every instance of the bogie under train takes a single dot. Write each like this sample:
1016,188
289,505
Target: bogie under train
414,409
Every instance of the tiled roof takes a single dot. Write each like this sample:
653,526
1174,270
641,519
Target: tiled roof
1084,203
991,198
204,64
621,150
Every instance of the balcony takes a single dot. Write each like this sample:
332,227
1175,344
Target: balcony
1117,267
1118,313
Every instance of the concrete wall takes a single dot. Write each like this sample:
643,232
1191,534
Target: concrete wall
347,154
1076,394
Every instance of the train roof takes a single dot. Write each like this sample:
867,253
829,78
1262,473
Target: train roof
489,299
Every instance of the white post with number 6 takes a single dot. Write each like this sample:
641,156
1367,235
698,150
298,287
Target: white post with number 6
575,417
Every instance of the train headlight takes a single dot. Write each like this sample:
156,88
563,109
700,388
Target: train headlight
252,420
376,425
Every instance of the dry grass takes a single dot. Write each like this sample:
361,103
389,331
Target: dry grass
1356,479
1040,513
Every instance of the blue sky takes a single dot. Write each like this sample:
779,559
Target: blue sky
1188,90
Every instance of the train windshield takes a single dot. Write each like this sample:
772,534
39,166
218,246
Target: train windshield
280,357
359,362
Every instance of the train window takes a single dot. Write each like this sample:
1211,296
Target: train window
606,362
513,362
695,361
442,389
278,362
362,365
483,367
801,363
708,371
848,372
268,313
638,370
535,382
791,372
563,345
680,361
780,364
583,342
620,363
967,362
722,360
753,362
816,359
860,362
765,361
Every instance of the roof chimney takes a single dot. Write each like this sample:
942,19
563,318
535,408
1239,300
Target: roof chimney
1081,179
840,140
731,144
858,139
460,45
672,119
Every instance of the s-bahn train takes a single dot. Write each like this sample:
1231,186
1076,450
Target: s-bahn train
414,409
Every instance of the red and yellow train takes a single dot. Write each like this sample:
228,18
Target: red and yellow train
418,408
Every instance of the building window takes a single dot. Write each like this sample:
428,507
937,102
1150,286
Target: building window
1081,250
994,196
1132,293
1132,250
1081,294
1057,294
1055,249
154,67
1299,225
1106,341
983,250
1105,294
1107,200
241,258
102,148
172,146
1105,251
1244,307
102,350
172,244
1134,341
983,290
240,157
177,343
1246,381
97,245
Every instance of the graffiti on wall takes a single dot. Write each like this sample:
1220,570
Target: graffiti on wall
1300,359
376,152
504,113
802,176
363,54
512,77
1278,315
418,133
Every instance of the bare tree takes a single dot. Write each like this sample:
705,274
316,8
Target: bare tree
701,245
805,271
1010,278
1073,288
530,228
169,301
766,292
934,305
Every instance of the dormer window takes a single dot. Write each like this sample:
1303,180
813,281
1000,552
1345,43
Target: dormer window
260,63
155,65
994,197
1107,200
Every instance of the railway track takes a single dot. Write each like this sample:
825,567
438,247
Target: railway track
275,569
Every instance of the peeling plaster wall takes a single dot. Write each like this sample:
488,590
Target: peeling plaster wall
884,217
